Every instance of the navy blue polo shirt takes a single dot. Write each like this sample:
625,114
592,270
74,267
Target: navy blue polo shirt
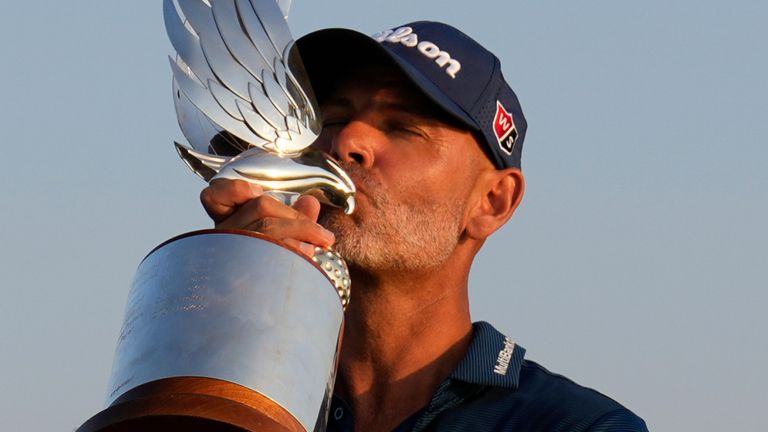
495,389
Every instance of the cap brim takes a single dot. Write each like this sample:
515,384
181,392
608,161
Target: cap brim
329,53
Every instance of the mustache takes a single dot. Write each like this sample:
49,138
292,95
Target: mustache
356,172
360,176
364,182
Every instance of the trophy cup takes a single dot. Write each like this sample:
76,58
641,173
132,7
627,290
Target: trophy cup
226,329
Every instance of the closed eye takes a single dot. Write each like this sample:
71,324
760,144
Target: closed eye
405,129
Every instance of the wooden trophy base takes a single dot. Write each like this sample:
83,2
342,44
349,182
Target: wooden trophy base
192,404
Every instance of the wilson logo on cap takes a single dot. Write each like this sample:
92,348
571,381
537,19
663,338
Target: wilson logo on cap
407,37
504,128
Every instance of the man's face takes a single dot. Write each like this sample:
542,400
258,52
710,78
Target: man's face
413,169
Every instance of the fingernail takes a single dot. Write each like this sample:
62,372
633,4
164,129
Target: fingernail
328,236
307,249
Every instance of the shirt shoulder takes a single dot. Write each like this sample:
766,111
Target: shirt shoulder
559,403
543,401
494,388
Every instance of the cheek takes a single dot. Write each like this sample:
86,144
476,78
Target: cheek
424,181
452,183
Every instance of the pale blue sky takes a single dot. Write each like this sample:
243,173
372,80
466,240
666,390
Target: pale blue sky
636,264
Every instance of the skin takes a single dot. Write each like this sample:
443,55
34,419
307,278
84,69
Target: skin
428,198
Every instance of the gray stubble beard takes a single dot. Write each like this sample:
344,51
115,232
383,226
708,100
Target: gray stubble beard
396,236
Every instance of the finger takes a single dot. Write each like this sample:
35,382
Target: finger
306,249
308,206
223,197
269,216
303,230
258,208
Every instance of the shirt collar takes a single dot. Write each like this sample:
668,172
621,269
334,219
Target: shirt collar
492,359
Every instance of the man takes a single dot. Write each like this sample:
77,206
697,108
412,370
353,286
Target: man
425,124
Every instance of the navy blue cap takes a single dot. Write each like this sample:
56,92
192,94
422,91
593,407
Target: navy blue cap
449,67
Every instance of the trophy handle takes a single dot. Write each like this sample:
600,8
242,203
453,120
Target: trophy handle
312,172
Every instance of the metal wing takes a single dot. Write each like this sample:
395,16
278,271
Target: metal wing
238,79
285,7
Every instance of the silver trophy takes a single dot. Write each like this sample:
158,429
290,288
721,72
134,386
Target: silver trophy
231,330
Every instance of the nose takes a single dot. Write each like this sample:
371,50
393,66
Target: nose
356,143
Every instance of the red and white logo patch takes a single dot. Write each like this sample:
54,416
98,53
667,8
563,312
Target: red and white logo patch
504,128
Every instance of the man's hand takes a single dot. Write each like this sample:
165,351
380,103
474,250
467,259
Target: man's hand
236,204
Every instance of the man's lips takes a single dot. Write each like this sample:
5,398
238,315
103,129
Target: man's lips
362,179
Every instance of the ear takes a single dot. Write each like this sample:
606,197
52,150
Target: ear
499,192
